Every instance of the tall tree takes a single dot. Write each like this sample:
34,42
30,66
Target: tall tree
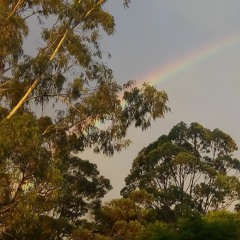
53,104
67,79
189,170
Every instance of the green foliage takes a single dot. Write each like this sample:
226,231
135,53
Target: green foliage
189,170
219,225
45,190
145,101
56,100
124,218
215,225
157,231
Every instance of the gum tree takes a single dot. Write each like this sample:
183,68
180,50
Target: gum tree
55,101
190,170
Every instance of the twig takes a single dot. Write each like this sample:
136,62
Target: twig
15,8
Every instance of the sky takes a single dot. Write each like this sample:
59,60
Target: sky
188,48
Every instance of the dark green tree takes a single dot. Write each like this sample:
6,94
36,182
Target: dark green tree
44,192
219,225
187,171
54,102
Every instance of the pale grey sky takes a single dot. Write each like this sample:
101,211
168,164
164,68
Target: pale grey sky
153,33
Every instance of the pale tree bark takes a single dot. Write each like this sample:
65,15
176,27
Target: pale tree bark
35,83
18,4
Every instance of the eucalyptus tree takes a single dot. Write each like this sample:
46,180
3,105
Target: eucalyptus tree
55,101
190,170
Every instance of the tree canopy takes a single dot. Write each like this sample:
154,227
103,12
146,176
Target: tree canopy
219,225
190,170
56,95
124,218
67,79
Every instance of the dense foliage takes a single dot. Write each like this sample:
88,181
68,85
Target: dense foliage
220,225
57,98
131,218
187,171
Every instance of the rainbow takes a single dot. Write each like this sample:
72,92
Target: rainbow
189,60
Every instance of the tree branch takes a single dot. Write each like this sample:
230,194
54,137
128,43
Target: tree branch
35,83
15,8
